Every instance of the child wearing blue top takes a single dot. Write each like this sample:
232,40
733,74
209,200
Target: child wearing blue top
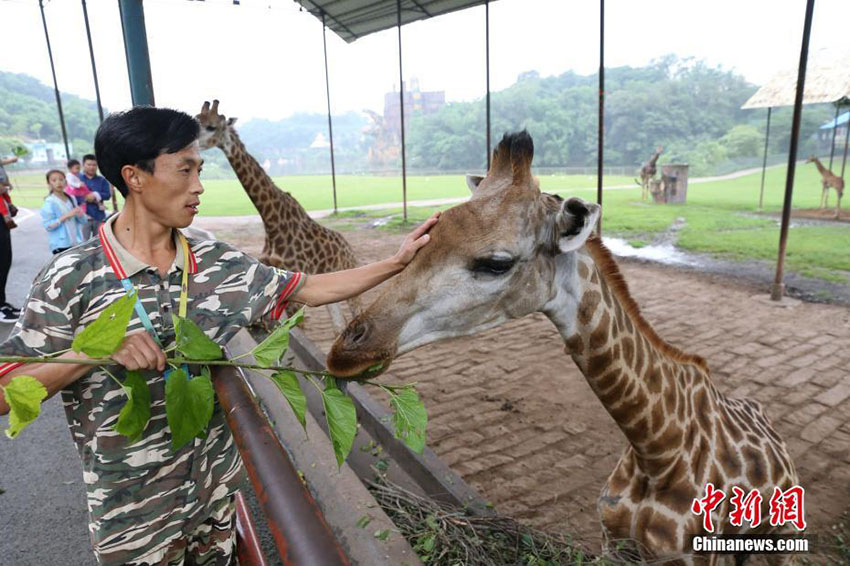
61,216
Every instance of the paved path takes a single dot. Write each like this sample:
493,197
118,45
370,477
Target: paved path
42,496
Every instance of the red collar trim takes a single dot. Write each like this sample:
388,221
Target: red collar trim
116,265
110,254
193,263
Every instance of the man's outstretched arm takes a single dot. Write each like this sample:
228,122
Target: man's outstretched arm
327,288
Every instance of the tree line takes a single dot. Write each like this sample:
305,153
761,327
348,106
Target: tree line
689,107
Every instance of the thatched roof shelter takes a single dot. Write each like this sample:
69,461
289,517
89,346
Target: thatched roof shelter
824,83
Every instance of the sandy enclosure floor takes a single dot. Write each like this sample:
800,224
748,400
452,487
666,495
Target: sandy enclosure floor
510,412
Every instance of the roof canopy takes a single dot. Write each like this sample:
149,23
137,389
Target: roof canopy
840,121
824,83
353,19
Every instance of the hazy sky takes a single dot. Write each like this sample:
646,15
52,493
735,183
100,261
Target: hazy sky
264,58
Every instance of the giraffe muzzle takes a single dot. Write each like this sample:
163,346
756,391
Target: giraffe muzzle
354,355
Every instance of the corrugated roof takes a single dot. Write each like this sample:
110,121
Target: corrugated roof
353,19
824,83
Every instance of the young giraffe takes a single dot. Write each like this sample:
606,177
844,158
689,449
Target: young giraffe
512,250
828,179
647,173
293,240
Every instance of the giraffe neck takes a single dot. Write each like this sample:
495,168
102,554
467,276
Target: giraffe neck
262,191
825,173
647,386
654,159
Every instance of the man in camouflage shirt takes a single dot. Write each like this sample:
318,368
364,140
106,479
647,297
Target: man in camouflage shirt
147,503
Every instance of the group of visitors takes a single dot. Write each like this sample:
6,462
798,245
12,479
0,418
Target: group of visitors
74,208
72,212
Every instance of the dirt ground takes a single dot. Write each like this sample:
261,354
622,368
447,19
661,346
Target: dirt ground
827,213
510,412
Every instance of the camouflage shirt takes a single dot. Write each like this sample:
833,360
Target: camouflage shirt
145,495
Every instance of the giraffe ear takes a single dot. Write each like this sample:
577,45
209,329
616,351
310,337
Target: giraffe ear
575,222
472,181
231,121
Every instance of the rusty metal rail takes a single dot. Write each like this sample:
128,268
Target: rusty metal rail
248,550
301,533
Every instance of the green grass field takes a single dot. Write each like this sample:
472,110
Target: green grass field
718,217
227,198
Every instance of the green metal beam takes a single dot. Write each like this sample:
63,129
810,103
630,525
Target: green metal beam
136,49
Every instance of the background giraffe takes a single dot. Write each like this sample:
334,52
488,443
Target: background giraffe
828,179
511,251
293,240
647,172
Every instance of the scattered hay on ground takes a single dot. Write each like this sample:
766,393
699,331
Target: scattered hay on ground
447,536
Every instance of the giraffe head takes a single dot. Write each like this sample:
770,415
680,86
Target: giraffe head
494,258
811,159
216,129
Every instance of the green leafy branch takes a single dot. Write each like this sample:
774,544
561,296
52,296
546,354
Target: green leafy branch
189,401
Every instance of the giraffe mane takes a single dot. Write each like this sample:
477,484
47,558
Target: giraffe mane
612,275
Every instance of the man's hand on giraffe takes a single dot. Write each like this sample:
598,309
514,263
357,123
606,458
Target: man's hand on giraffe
415,240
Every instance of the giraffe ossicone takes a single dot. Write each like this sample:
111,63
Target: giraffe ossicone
512,250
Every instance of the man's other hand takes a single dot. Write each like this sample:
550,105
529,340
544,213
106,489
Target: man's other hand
139,351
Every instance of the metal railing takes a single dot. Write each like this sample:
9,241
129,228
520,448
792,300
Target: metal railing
301,534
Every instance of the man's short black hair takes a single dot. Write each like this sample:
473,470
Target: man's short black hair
138,136
89,157
72,162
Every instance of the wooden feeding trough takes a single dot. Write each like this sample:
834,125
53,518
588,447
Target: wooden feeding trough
673,185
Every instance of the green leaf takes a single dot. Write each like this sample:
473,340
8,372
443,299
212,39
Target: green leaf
271,350
188,406
382,535
363,521
136,412
410,418
295,319
428,542
103,336
24,395
288,384
342,421
193,343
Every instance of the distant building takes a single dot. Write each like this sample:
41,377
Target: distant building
320,142
43,153
416,102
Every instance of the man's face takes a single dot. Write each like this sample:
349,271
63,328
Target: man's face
90,167
172,192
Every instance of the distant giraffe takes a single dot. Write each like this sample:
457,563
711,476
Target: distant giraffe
828,179
647,173
293,240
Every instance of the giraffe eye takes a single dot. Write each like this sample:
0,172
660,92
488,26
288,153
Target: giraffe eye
492,265
210,128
